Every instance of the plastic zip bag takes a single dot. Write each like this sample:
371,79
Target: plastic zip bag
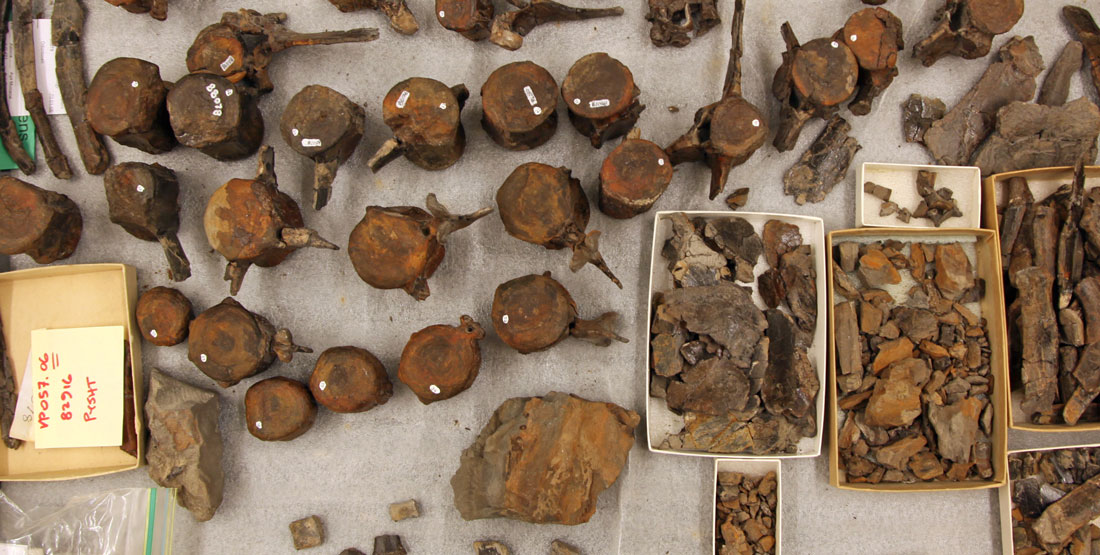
122,521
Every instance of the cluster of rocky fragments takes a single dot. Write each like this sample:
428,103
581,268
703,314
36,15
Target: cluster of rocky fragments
739,374
936,205
1055,498
1050,251
913,373
746,513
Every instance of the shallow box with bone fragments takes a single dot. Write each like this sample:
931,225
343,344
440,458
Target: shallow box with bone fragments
964,182
980,249
1042,182
755,469
661,422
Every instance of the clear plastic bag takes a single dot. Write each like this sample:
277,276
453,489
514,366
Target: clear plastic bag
122,521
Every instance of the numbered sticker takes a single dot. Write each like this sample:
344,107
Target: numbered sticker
601,103
227,63
530,95
311,142
401,100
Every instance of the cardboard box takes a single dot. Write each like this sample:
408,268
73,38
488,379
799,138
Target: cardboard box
991,307
754,468
660,421
69,296
965,183
1004,499
1043,182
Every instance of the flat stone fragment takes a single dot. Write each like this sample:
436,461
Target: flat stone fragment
389,544
403,510
779,238
185,448
544,459
307,532
736,238
898,453
488,547
790,382
1035,136
715,386
1064,517
849,255
726,312
918,114
876,269
926,466
558,547
956,428
1038,340
954,274
916,323
896,400
891,352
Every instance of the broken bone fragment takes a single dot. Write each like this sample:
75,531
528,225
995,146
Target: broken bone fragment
307,532
163,315
508,28
823,165
279,409
401,19
324,126
229,343
404,510
580,445
402,246
157,9
349,379
534,312
185,447
441,361
546,206
143,200
674,22
965,28
251,222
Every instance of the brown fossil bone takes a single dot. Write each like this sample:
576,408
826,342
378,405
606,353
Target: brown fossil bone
509,28
157,9
401,246
9,135
250,221
8,395
401,19
519,103
67,30
1084,26
875,36
211,114
143,199
349,379
442,361
127,101
633,177
279,409
823,165
673,21
953,139
966,28
813,81
726,133
602,97
534,312
425,116
469,18
43,224
325,126
163,315
546,206
230,343
23,44
241,46
1055,89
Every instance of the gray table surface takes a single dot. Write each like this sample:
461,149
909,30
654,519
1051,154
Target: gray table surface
348,468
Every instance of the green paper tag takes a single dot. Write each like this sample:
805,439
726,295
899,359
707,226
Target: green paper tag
25,127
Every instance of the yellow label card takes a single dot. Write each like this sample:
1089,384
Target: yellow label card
77,375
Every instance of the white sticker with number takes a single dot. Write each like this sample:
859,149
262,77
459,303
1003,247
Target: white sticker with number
401,100
530,95
601,103
311,142
227,63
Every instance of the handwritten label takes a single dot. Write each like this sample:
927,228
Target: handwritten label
601,103
215,95
402,99
45,65
530,95
311,142
77,376
21,427
227,63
